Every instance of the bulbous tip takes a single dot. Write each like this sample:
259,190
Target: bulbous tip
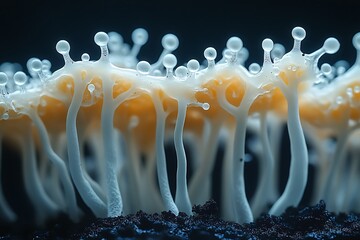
143,67
115,41
298,33
91,87
169,61
234,44
181,72
140,36
210,53
101,39
331,45
278,51
85,57
267,44
170,42
193,65
356,41
36,65
205,106
20,78
3,79
326,68
254,68
63,47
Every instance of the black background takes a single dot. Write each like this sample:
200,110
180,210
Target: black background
32,28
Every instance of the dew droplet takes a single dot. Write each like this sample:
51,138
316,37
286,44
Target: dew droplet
205,106
85,57
181,72
143,67
20,78
36,65
193,65
169,61
254,68
326,68
5,116
91,88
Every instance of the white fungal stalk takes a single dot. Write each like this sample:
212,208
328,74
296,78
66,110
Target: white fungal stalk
161,158
182,199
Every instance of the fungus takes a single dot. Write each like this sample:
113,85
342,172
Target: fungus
125,111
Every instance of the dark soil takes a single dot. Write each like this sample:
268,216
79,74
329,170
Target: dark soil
308,223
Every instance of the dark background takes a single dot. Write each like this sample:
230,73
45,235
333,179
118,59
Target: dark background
32,28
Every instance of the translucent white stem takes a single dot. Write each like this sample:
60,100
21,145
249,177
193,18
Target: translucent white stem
266,169
5,210
182,199
353,193
334,168
94,185
276,130
86,192
242,209
52,185
350,181
161,158
97,152
133,173
69,191
322,164
241,204
44,206
296,183
114,199
227,204
203,172
338,184
150,188
335,171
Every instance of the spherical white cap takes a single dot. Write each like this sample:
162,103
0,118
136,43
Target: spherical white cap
331,45
181,72
62,47
298,33
234,44
267,44
169,61
3,79
20,78
210,53
170,42
143,67
139,36
193,65
101,39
